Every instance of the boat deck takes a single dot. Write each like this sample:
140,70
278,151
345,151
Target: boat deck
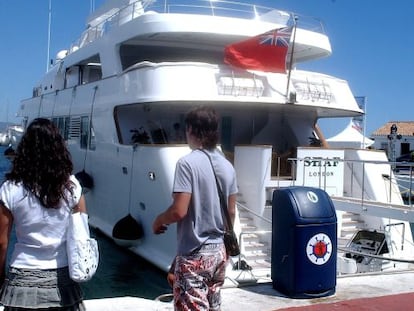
368,292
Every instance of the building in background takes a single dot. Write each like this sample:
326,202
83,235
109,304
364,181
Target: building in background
395,137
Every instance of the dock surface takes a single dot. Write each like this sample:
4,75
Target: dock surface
365,292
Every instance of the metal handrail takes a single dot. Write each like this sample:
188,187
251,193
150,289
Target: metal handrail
222,8
402,233
253,212
375,256
351,164
250,232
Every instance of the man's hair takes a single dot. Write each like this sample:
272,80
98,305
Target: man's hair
203,122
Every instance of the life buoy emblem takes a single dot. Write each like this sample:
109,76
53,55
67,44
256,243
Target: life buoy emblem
312,196
319,249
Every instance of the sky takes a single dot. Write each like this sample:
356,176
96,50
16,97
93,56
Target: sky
372,48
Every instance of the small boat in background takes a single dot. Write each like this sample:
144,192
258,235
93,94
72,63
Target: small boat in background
11,135
4,138
15,134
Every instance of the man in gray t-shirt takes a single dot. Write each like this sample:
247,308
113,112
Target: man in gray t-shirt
201,257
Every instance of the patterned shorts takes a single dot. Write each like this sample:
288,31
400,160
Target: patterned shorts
198,279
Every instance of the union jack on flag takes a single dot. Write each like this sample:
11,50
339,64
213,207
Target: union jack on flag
278,37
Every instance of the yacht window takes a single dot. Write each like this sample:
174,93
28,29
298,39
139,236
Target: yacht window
62,123
84,137
92,140
90,73
66,129
86,71
133,54
72,77
87,134
149,124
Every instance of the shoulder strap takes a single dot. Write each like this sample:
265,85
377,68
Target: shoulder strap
223,201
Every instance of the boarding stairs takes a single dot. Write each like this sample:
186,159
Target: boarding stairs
359,175
351,223
256,244
255,250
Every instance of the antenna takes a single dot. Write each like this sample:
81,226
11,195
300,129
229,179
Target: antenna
48,35
7,111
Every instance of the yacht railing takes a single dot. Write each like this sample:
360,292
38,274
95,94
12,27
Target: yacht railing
222,8
214,8
395,175
404,175
236,9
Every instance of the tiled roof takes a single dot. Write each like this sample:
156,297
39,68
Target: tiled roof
405,128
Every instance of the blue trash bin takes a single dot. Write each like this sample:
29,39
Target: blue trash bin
304,242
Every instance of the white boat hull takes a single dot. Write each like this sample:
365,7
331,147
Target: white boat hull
118,92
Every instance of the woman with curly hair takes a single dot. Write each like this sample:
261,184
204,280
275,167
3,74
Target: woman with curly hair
38,195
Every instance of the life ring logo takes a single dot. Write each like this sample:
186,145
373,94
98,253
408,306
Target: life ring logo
319,249
312,196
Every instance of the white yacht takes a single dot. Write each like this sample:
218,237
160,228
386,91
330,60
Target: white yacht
119,94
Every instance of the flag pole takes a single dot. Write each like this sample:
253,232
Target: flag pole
295,18
364,120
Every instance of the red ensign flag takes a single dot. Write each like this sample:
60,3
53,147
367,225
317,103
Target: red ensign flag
265,52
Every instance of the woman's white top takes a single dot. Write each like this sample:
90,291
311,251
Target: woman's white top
40,231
